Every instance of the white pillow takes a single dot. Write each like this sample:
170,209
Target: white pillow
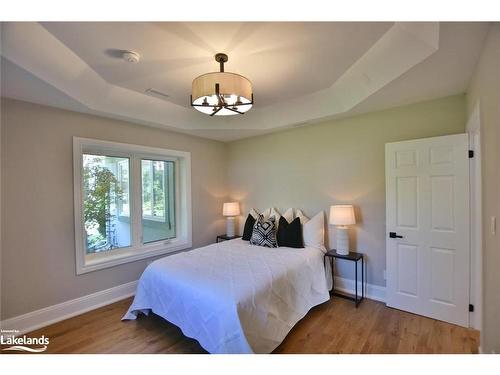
255,214
313,230
288,215
274,213
303,218
270,212
267,214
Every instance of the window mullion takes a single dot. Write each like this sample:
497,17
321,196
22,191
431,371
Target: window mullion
136,201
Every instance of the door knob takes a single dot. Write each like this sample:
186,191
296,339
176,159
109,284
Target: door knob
394,235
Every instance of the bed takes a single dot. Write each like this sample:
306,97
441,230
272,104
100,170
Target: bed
231,296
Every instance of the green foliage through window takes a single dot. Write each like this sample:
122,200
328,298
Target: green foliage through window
101,193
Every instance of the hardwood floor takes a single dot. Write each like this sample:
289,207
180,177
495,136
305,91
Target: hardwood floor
334,327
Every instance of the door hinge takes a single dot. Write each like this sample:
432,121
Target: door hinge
471,153
471,307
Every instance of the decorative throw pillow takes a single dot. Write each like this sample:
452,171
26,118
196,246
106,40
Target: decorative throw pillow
290,234
264,232
313,230
248,229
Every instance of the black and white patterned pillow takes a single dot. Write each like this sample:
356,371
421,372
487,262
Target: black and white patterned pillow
264,232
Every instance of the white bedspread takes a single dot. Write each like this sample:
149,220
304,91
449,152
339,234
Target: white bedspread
233,297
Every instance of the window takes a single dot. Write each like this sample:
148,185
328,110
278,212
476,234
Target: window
131,202
158,205
103,194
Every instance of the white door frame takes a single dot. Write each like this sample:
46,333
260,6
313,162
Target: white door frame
473,128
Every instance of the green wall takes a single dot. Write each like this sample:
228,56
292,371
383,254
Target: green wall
335,162
484,91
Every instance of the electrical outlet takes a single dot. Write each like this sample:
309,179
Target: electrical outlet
385,275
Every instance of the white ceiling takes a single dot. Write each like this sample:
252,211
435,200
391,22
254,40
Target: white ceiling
283,61
301,72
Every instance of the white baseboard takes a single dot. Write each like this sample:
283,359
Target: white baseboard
53,314
480,350
375,292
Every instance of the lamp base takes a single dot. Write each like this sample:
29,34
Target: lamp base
230,226
342,241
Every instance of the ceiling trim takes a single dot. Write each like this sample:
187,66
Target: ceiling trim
401,48
35,49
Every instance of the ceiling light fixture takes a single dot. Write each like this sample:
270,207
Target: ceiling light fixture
222,93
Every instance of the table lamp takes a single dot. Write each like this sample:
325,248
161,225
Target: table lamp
341,216
230,210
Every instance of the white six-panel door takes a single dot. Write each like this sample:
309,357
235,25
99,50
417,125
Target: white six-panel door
427,204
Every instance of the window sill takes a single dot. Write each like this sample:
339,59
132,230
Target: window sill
96,262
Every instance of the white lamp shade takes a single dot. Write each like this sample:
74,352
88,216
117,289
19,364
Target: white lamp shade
342,215
231,209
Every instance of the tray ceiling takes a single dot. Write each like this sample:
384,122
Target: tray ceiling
301,72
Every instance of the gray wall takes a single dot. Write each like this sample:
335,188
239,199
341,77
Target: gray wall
310,168
485,88
38,260
337,162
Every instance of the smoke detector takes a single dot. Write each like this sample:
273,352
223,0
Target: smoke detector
131,56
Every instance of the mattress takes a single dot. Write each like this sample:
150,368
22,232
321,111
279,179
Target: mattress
233,297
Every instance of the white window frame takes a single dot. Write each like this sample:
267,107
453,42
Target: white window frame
183,215
120,206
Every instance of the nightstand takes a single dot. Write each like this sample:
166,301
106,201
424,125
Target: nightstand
225,237
351,257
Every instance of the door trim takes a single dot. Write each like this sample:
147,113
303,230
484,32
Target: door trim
473,128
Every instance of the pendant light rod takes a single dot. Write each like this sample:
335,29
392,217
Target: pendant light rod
221,58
